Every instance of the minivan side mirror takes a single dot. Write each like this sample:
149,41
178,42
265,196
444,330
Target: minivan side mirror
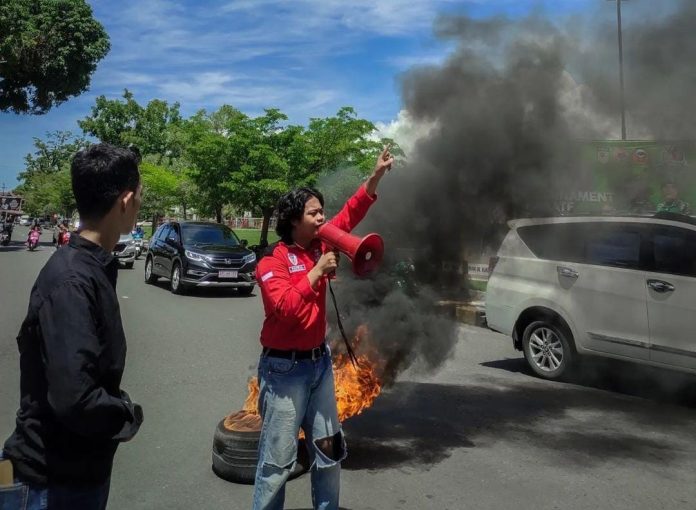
244,243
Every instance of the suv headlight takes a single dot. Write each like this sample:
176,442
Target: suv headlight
197,257
250,258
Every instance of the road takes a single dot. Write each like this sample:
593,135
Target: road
481,433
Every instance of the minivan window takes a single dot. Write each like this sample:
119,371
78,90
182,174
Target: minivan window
674,251
599,243
613,246
211,234
562,241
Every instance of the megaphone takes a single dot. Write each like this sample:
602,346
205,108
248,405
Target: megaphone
365,253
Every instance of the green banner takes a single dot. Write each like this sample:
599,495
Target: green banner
630,176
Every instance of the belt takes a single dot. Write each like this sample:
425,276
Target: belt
312,354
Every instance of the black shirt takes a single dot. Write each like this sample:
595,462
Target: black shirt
72,349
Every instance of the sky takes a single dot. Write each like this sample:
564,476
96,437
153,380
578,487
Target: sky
306,57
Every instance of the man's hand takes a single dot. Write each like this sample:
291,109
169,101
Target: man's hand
326,265
384,162
382,166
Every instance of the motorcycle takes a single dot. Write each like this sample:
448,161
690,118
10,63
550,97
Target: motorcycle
33,240
4,238
139,243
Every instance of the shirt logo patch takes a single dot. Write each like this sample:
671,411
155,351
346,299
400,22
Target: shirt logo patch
267,276
297,268
292,258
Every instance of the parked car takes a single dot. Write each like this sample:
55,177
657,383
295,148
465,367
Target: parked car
620,287
200,254
125,251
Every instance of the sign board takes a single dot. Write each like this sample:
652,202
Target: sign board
627,176
11,203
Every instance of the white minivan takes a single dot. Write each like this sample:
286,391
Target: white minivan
621,286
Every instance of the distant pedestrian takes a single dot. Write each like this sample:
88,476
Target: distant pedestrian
73,413
671,201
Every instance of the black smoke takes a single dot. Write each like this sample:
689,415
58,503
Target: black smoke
507,107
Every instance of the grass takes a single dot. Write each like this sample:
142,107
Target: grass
253,236
478,285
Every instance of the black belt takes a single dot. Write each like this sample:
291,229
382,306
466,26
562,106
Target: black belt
312,354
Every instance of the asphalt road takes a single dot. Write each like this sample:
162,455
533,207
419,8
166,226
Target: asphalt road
482,433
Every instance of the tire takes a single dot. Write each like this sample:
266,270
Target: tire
150,276
175,284
235,455
549,350
245,291
129,265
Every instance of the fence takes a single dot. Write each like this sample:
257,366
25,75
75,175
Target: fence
252,223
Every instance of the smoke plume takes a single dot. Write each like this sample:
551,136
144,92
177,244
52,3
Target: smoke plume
504,114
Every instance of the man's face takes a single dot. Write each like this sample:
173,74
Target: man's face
307,227
670,192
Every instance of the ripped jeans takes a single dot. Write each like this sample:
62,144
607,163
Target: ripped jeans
294,394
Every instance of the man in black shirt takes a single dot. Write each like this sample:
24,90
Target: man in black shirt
72,412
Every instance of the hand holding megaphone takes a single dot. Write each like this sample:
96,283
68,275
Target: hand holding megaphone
327,263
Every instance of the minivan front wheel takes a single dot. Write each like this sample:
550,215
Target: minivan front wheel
548,349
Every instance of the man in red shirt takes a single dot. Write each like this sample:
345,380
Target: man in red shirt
295,372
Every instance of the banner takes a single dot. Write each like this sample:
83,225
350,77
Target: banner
616,176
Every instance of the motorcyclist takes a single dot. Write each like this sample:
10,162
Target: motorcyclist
35,232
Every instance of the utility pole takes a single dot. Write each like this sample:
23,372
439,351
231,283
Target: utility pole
621,73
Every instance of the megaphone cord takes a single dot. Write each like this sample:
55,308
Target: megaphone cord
351,354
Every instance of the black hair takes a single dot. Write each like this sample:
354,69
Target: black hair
100,173
291,207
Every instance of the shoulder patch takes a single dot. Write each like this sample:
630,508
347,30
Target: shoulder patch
267,276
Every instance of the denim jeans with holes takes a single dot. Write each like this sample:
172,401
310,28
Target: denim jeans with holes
294,394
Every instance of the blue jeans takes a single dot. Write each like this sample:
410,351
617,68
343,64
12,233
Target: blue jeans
21,496
294,394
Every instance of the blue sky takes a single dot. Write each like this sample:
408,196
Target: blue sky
306,57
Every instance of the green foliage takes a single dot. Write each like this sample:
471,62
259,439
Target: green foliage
47,193
46,185
48,52
53,154
153,129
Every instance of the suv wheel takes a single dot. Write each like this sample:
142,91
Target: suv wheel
175,284
150,277
548,349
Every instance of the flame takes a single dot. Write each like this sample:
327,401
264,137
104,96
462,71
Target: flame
356,387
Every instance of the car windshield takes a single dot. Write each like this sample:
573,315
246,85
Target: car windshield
207,235
124,238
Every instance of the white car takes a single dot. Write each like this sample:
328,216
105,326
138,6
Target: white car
125,250
620,287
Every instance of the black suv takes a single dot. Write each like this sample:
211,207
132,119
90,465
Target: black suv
200,254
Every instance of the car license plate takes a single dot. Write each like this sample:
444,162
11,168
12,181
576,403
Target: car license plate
227,274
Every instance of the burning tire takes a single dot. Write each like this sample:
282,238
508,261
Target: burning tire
235,455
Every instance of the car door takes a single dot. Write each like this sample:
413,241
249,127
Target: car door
170,248
594,274
157,249
671,287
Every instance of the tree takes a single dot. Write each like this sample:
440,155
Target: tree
216,145
46,184
160,187
153,128
52,154
48,52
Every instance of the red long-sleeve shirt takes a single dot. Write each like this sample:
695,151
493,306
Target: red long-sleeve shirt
295,312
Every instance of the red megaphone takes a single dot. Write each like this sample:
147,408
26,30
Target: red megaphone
365,254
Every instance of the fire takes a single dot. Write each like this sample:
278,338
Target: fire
356,387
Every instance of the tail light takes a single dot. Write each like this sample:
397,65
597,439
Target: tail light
492,261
